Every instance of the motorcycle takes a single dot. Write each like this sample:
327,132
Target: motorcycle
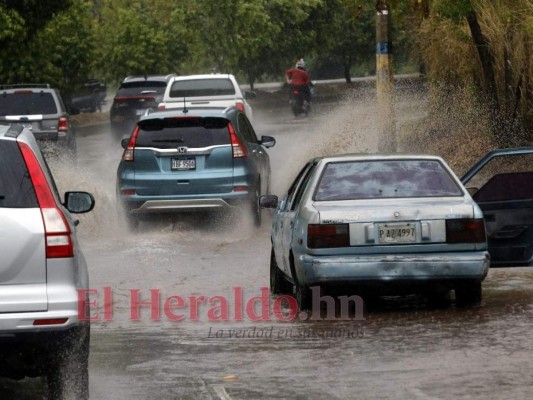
297,100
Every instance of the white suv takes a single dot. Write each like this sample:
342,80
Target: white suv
42,271
206,91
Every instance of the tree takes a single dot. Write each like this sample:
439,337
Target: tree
345,33
49,43
488,44
141,37
254,37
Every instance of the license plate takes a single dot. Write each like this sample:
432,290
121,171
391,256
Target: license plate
183,163
397,233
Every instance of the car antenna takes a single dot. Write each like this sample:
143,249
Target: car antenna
185,111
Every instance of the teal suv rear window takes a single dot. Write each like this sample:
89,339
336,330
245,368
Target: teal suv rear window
170,133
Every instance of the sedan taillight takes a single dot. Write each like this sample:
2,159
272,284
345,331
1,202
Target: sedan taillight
327,235
56,228
465,230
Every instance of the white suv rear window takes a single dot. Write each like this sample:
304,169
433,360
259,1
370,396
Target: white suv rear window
202,87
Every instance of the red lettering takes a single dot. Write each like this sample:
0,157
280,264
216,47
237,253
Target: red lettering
219,312
264,301
237,297
84,305
153,304
108,303
174,302
194,301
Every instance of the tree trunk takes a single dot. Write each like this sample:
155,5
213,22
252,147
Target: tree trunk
347,75
500,125
251,80
486,59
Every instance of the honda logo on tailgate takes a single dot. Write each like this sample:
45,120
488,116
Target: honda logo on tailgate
182,149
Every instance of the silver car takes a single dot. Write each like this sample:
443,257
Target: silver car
385,222
41,272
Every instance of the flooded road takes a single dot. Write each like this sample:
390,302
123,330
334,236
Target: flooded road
403,349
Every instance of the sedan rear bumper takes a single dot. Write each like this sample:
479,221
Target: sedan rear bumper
400,267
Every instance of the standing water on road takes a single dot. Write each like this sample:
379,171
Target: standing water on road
404,349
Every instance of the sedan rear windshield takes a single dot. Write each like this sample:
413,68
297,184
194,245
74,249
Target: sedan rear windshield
171,133
142,88
27,103
385,179
16,188
202,87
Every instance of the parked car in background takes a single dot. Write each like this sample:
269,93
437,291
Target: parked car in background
135,95
41,271
91,97
198,159
501,183
215,90
388,223
39,108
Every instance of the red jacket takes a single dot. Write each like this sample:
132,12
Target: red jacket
298,77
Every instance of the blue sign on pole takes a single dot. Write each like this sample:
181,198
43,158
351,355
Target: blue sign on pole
384,48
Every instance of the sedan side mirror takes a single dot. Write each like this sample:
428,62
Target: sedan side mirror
124,142
268,141
79,202
268,201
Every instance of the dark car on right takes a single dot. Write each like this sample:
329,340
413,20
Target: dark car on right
135,95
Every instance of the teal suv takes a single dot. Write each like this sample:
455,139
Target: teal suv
183,160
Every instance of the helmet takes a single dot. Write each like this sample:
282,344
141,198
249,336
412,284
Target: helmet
300,63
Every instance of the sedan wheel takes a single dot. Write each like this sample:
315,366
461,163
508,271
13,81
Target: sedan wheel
278,283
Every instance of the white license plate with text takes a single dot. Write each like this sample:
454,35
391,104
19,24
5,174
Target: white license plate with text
183,163
397,233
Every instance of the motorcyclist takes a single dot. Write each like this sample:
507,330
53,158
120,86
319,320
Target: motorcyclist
299,78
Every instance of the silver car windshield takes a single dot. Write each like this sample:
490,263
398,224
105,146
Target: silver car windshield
385,179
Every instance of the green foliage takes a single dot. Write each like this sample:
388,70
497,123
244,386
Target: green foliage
48,43
486,44
35,13
346,32
253,37
63,42
456,10
137,38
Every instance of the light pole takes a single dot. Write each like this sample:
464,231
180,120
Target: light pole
385,79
